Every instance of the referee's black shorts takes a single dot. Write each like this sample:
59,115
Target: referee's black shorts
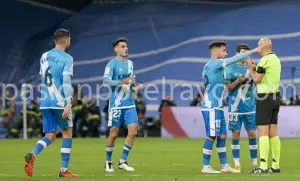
267,108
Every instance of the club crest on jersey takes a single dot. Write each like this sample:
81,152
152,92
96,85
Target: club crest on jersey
107,70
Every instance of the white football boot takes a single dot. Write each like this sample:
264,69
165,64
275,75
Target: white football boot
109,167
125,166
209,169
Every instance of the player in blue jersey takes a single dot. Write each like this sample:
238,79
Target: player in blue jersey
241,106
212,104
119,75
56,69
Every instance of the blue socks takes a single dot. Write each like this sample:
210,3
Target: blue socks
207,151
221,149
40,145
109,151
253,151
126,150
235,147
65,153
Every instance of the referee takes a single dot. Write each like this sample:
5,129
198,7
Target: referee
267,79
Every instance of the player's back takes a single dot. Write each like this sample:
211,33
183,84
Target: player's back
241,98
214,84
53,65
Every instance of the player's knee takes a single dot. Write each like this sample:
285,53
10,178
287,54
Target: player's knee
132,133
51,136
212,138
251,134
273,131
113,133
67,133
223,136
263,130
236,135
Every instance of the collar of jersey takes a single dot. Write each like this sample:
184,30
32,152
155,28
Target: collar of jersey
121,60
58,50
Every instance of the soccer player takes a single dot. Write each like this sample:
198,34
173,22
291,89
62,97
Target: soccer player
241,106
212,104
56,69
119,75
267,79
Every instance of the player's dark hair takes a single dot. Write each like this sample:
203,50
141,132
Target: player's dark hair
242,46
118,40
61,34
216,44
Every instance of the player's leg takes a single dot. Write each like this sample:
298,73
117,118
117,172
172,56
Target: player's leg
221,133
276,148
209,121
114,122
263,117
49,128
235,124
275,141
66,147
250,126
113,134
131,122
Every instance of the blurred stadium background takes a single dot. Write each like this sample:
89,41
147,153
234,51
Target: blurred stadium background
167,42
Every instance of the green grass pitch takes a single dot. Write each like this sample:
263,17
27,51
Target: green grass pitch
154,159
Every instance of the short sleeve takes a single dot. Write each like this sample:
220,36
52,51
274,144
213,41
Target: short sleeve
108,72
220,63
262,66
68,67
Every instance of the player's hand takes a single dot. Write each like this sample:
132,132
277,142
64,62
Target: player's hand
66,112
258,49
129,80
241,78
249,60
250,64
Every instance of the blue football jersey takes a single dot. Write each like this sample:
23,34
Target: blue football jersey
241,98
53,65
121,95
214,84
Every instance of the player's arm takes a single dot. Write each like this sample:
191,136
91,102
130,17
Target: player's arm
257,75
109,73
67,81
232,85
67,86
238,57
229,81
